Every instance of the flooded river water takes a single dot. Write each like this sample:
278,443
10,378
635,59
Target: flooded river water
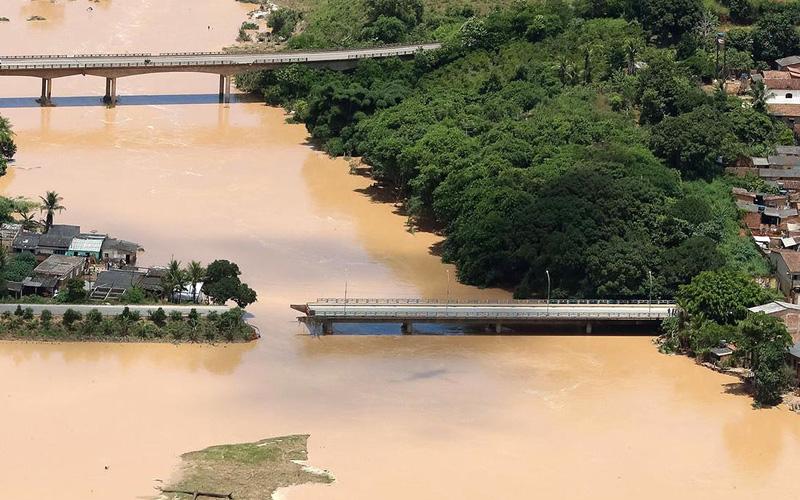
391,417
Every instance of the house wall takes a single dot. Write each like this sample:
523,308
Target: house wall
782,274
783,96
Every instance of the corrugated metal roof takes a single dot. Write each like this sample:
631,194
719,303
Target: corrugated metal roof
87,244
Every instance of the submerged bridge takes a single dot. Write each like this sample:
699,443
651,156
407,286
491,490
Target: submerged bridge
525,315
113,66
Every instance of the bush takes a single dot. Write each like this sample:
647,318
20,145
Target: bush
46,317
176,316
70,317
18,311
27,314
94,317
134,296
159,317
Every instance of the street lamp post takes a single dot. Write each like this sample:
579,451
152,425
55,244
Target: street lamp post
345,292
447,300
547,309
650,299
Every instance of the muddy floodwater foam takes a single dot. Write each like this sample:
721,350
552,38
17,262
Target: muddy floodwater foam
391,417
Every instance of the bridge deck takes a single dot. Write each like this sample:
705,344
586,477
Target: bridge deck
359,310
15,64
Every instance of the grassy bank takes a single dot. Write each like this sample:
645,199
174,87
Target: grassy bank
128,326
247,471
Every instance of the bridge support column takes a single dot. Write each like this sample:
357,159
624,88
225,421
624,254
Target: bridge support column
498,328
588,327
407,328
47,92
110,97
225,88
327,328
111,92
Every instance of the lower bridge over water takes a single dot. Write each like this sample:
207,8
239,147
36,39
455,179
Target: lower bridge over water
519,315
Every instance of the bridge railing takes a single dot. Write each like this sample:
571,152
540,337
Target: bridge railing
356,53
402,302
506,316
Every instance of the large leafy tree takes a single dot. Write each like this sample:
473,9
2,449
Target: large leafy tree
775,36
721,296
669,20
765,341
222,284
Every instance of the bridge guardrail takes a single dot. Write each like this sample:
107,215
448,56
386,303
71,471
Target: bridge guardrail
460,315
355,53
455,302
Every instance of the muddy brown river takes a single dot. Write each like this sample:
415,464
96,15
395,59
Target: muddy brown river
425,417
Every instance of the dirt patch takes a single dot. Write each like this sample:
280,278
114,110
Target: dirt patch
248,471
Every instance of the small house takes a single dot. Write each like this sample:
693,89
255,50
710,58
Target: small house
56,241
787,265
25,241
720,353
120,251
114,283
51,275
794,359
8,233
87,245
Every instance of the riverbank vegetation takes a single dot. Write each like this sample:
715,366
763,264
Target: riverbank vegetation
7,146
714,314
569,137
128,326
247,471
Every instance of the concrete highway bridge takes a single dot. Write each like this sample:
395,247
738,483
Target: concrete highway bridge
523,315
113,66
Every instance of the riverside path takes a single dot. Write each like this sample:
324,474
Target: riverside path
113,66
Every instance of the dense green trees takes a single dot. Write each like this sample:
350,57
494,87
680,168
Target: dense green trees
518,141
7,146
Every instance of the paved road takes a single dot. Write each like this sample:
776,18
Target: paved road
492,311
9,64
105,310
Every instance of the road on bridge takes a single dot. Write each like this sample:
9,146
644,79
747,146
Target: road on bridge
10,64
421,311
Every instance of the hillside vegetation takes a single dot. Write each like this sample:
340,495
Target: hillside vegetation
572,138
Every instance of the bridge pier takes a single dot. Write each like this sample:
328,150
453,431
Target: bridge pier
111,92
225,89
47,92
407,328
588,327
327,328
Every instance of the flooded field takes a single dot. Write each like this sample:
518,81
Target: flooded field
391,417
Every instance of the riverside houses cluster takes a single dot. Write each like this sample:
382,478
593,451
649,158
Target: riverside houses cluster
63,253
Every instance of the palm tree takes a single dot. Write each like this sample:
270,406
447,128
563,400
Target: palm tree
175,280
631,51
196,273
26,218
51,203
